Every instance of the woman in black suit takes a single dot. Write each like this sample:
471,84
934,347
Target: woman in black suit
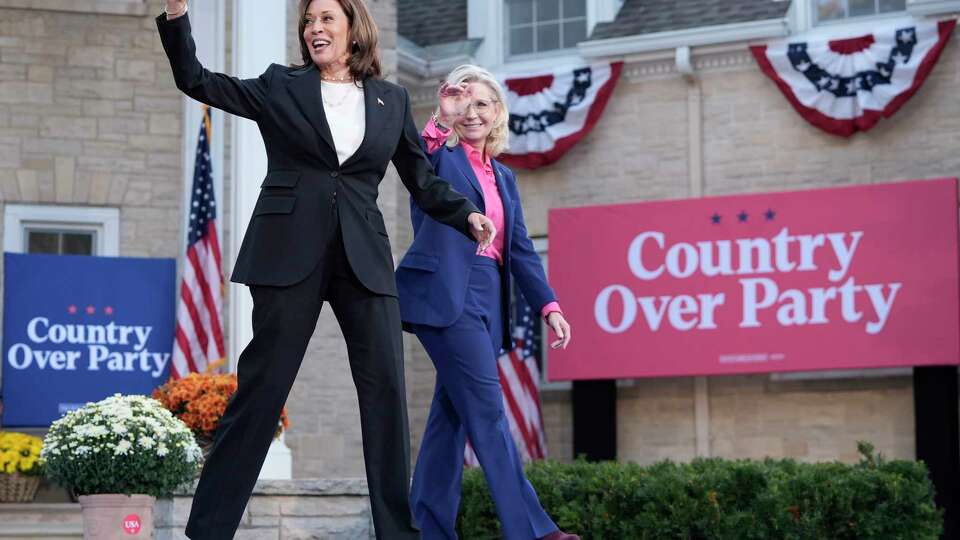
330,127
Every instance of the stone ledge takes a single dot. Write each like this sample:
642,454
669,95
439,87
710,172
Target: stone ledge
41,530
38,507
327,487
109,7
303,509
317,487
39,516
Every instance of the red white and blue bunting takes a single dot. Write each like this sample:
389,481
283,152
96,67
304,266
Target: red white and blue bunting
848,85
551,113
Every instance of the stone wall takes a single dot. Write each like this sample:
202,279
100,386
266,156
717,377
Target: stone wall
278,510
89,115
285,510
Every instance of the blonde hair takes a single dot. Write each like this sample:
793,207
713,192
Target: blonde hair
498,138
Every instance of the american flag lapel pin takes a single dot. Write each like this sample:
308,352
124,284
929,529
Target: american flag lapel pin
380,101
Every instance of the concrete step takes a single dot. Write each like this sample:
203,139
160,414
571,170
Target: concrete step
49,521
46,531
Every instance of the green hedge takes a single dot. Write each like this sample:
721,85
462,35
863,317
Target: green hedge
715,499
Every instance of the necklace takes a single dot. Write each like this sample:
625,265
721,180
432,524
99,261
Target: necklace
334,104
345,78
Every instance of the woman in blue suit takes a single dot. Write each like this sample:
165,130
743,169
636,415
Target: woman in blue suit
456,300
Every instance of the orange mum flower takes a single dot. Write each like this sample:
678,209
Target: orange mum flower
200,399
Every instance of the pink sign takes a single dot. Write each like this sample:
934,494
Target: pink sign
841,278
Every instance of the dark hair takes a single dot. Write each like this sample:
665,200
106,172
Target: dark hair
364,58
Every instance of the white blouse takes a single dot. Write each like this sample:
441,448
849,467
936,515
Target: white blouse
343,105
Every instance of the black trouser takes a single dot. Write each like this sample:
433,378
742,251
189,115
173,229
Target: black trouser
284,319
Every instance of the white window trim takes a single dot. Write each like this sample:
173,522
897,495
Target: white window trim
802,19
486,19
104,220
541,246
807,5
535,24
797,23
933,7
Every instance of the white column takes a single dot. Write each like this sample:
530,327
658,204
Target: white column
259,39
485,19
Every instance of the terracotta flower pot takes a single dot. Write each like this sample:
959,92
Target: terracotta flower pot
117,517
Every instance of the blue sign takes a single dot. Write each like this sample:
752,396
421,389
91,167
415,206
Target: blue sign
78,329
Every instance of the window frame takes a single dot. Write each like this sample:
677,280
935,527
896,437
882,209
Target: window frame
535,24
103,221
541,245
877,15
802,21
487,20
60,233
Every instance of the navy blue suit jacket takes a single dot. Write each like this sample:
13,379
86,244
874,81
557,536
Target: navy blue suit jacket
432,277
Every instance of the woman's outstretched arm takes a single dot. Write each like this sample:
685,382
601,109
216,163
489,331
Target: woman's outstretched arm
242,97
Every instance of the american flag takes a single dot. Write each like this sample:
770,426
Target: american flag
199,333
519,374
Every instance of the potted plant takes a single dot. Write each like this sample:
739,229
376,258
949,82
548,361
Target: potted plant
200,399
118,455
20,468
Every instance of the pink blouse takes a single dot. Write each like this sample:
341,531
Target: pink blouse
493,204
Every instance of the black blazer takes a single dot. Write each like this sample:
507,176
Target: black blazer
306,189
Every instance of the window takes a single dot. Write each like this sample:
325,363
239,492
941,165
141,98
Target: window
535,26
60,242
838,10
542,335
61,230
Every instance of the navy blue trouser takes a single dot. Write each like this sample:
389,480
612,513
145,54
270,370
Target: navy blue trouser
468,402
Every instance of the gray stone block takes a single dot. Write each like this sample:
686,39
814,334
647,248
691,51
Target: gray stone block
342,528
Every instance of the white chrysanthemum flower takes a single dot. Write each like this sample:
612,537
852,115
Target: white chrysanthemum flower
162,450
